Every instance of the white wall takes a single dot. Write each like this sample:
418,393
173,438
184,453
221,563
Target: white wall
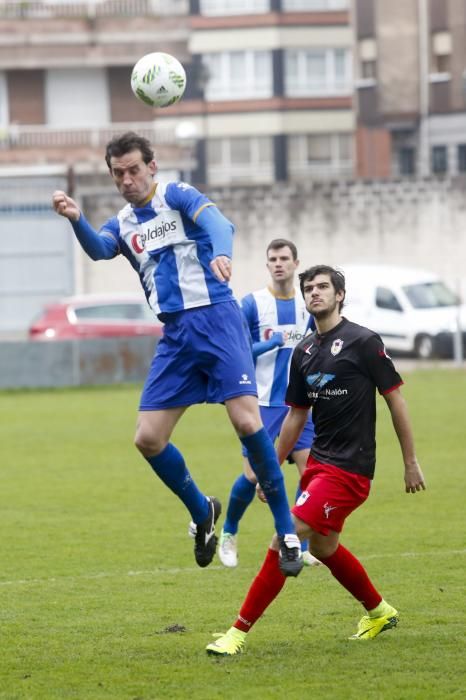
412,223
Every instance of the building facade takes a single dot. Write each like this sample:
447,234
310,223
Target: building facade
410,65
269,90
65,81
278,89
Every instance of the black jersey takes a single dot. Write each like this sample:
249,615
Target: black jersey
337,374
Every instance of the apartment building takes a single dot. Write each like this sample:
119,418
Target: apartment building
65,81
410,58
279,88
269,93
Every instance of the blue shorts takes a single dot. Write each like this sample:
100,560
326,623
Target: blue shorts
273,417
204,356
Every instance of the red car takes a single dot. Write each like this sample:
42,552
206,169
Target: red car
92,316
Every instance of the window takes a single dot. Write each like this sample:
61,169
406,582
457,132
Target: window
442,64
439,159
77,97
119,312
248,159
386,299
462,158
320,155
310,72
233,7
368,70
314,5
407,160
430,295
238,75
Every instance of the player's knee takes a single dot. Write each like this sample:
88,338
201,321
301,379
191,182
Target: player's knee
246,425
148,444
322,548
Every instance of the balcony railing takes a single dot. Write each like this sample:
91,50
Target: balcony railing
16,9
17,137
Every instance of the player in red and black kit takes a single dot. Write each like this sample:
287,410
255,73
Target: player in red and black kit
335,371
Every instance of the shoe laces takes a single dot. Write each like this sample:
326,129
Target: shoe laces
228,542
289,545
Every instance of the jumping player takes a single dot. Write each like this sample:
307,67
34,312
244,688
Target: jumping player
278,319
336,370
180,245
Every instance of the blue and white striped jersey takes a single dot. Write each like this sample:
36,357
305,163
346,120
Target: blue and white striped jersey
169,250
267,314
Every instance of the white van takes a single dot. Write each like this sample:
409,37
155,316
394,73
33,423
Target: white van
412,310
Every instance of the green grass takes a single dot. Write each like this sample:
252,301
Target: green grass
101,598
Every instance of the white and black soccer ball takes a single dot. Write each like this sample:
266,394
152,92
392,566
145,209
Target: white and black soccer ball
158,79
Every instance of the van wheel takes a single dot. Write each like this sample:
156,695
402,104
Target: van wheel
424,347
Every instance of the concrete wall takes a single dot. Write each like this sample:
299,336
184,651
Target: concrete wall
418,223
74,363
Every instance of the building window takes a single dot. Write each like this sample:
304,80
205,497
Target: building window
321,156
310,72
439,159
239,75
462,158
248,159
441,64
368,70
314,5
233,7
67,90
407,160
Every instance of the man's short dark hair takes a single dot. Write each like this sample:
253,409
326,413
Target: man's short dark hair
337,278
125,143
282,243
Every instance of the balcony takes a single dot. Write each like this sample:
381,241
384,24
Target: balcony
71,34
16,9
41,149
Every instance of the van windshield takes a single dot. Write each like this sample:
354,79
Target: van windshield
430,295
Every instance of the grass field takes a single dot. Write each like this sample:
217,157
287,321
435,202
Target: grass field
101,598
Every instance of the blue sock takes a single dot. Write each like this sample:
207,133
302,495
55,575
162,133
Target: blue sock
264,463
242,493
304,543
169,466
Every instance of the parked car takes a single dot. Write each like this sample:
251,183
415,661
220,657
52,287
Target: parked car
94,316
413,311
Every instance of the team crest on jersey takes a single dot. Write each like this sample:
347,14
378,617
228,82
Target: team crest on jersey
336,346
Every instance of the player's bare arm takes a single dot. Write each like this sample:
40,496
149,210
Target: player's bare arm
413,476
290,431
65,206
221,267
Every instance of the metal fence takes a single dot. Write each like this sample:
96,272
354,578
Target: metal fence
18,136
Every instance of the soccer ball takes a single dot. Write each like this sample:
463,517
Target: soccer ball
158,79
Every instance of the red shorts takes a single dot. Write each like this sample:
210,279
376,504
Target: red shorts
329,495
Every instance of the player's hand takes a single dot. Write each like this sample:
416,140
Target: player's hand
221,267
260,494
279,338
65,206
414,478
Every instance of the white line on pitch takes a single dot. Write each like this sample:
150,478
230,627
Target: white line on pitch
185,570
